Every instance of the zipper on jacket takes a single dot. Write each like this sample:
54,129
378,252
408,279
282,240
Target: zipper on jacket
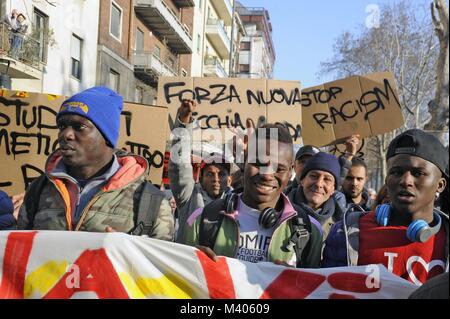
86,209
69,226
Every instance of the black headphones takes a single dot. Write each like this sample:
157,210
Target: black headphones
267,218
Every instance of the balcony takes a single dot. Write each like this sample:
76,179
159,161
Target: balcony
215,32
184,3
224,10
214,68
148,67
25,63
165,24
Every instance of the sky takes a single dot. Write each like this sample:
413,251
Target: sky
304,32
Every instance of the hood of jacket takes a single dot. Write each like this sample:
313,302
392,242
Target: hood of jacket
131,168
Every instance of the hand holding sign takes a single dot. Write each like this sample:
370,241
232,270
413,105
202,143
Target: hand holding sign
351,146
185,110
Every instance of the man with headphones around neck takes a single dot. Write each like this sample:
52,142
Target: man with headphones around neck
260,223
408,235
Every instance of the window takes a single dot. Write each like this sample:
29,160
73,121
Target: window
40,31
245,46
115,25
200,5
157,51
171,63
114,79
139,40
138,95
244,68
199,40
75,56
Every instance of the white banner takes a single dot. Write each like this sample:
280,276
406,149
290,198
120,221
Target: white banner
55,264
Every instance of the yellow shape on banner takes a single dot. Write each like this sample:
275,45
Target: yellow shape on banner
52,97
168,286
44,278
22,94
3,92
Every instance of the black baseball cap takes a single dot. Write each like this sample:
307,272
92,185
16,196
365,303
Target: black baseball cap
306,150
421,144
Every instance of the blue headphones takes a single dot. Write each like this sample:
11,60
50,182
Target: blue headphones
418,231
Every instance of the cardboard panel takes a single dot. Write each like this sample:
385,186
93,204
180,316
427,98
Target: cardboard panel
144,132
171,91
381,102
285,106
347,118
317,128
366,105
28,134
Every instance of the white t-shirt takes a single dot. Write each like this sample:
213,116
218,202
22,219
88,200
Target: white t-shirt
253,239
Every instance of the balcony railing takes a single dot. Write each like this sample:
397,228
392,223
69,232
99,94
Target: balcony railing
149,67
224,10
215,31
214,67
184,3
27,54
164,23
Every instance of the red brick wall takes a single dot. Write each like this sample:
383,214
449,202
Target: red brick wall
105,38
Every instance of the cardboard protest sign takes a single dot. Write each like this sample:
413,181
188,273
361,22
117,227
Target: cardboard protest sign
229,102
64,265
28,135
366,105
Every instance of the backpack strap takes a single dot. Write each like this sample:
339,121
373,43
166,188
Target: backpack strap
32,198
300,226
211,220
351,228
148,210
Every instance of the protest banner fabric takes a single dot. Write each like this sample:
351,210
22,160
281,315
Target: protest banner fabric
56,264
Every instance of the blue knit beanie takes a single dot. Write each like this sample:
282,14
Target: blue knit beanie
101,106
323,162
6,204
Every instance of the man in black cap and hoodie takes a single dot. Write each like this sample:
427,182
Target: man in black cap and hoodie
408,235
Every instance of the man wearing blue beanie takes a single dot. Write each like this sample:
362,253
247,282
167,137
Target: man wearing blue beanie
318,182
87,185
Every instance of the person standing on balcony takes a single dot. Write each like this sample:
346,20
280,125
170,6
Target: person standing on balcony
18,33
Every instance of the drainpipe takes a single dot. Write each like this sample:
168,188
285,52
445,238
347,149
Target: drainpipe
230,68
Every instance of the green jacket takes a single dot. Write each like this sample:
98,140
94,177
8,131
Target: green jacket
227,240
115,205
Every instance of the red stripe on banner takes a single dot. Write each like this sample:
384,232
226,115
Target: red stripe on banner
352,282
218,277
15,260
293,284
92,272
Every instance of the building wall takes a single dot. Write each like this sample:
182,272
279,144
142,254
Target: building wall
121,47
74,17
198,38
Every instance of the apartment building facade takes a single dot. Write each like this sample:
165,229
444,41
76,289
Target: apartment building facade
257,52
141,40
217,32
59,49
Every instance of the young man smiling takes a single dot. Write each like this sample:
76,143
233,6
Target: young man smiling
259,224
408,235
